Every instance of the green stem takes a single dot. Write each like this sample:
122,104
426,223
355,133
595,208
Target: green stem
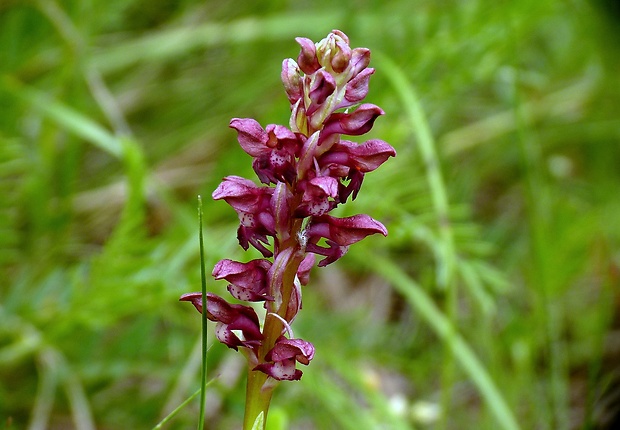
259,389
257,400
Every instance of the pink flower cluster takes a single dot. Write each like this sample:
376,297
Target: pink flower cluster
306,170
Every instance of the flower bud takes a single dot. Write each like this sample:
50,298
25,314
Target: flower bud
307,60
291,78
341,56
334,52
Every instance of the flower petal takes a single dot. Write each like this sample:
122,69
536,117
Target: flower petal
242,194
364,157
321,85
353,124
357,88
194,298
360,58
248,281
298,349
229,317
344,231
251,136
282,358
281,370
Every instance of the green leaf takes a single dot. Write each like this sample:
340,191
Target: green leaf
259,422
65,116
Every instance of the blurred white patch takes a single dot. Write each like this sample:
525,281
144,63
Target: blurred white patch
425,412
398,405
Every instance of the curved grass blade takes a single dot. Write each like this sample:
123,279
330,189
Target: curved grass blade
64,116
424,305
176,410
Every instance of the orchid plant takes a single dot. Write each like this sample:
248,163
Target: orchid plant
306,171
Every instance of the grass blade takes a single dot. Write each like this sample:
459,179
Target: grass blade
203,281
64,116
423,304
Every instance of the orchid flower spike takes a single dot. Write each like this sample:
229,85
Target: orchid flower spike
305,170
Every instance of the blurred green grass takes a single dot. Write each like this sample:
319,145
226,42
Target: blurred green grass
502,207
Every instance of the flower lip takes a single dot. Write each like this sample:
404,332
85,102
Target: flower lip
281,359
332,252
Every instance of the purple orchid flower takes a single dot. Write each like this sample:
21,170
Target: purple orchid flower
230,318
339,233
307,169
280,361
252,204
359,159
248,281
273,149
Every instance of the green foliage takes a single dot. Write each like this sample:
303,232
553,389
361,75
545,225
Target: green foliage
487,306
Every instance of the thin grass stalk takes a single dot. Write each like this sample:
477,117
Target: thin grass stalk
203,283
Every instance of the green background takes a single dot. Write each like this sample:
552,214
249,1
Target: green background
493,302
